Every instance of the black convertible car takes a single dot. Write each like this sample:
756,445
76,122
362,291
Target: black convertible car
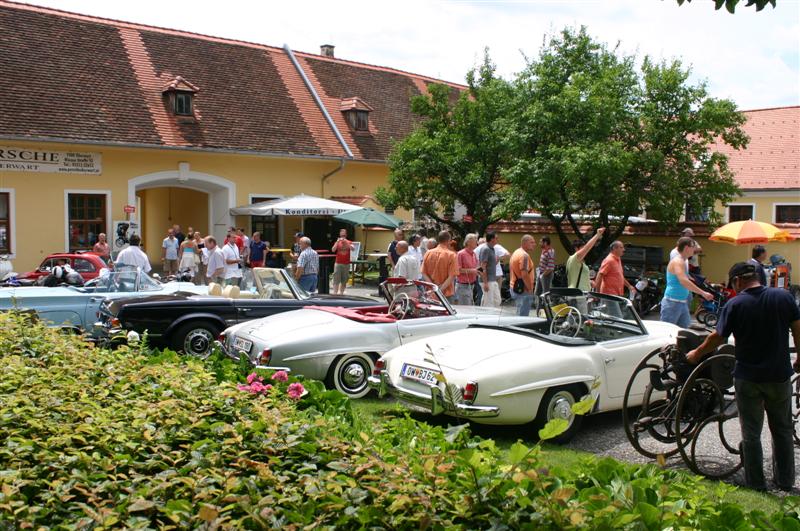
190,323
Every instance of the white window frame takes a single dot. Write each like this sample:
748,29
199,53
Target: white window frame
774,209
269,197
728,210
109,220
12,220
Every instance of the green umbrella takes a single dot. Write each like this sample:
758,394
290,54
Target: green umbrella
369,217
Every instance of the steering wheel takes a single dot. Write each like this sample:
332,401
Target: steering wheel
401,306
566,322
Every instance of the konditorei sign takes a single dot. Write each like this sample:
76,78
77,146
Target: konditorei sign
35,160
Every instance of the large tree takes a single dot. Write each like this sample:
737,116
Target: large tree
730,5
599,141
456,154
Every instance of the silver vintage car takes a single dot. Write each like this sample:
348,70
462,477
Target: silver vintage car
340,345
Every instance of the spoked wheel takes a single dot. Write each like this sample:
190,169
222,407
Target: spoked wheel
650,428
796,408
707,416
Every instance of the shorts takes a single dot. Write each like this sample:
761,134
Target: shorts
675,312
341,273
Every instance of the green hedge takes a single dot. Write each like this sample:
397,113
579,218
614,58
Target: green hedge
91,438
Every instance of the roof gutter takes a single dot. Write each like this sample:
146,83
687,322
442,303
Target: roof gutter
328,175
322,108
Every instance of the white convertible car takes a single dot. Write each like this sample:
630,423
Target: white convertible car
529,372
340,345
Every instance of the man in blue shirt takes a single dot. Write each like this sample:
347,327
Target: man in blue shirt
760,319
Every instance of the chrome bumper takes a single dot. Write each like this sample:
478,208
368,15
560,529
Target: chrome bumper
433,402
235,357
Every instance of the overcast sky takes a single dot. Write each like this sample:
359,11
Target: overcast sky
752,58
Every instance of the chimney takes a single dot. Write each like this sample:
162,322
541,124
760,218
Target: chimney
326,50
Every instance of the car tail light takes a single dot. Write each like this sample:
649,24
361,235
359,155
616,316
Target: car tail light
265,356
469,392
221,338
379,366
115,323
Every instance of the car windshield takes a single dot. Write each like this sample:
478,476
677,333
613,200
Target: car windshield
123,281
276,284
422,293
593,306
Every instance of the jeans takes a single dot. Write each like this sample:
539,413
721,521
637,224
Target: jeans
524,302
675,312
542,286
752,399
464,294
233,281
309,282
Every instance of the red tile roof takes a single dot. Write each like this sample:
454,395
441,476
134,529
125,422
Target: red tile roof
73,77
772,158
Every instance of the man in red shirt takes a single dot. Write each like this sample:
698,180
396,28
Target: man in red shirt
467,271
610,279
341,267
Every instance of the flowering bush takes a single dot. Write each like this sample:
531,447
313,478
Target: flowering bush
255,385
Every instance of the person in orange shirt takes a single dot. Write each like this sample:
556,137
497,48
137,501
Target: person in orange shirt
440,265
610,278
521,266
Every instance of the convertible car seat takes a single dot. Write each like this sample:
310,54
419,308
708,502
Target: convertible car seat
231,292
214,289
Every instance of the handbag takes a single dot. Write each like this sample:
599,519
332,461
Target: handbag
519,284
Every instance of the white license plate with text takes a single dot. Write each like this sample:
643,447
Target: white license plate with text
426,376
242,345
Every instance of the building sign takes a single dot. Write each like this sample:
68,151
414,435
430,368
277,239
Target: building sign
129,209
34,160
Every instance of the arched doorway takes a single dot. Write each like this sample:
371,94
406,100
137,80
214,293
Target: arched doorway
182,197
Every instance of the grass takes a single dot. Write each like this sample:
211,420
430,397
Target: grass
374,409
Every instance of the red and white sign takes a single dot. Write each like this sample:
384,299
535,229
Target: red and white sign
466,219
129,209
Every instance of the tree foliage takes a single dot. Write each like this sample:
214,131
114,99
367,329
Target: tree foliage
730,5
595,137
456,155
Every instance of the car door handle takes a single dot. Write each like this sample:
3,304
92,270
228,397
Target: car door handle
97,299
245,310
609,360
408,334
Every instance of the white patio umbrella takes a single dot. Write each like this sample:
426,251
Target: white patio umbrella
299,205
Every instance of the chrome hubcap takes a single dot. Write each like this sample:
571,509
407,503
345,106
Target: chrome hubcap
353,376
197,342
561,407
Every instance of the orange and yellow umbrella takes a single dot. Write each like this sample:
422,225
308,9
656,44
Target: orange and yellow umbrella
749,232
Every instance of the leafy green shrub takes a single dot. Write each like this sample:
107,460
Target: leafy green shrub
91,438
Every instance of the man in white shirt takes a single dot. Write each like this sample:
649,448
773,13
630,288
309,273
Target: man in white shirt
407,265
233,271
215,262
133,256
169,252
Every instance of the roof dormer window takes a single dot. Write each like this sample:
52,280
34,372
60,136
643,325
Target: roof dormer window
180,94
183,103
356,112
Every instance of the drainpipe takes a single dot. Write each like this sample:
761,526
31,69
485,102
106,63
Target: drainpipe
326,176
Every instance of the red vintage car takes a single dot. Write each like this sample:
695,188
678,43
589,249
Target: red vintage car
88,264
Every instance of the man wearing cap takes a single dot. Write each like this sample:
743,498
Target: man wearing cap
296,250
759,319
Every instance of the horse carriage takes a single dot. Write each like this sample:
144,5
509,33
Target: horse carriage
690,410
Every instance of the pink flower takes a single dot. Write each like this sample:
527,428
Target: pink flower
295,390
243,387
252,377
280,376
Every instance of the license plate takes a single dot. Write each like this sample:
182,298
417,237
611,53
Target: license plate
242,345
426,376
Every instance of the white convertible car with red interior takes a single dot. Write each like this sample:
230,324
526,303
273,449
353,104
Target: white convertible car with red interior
340,345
